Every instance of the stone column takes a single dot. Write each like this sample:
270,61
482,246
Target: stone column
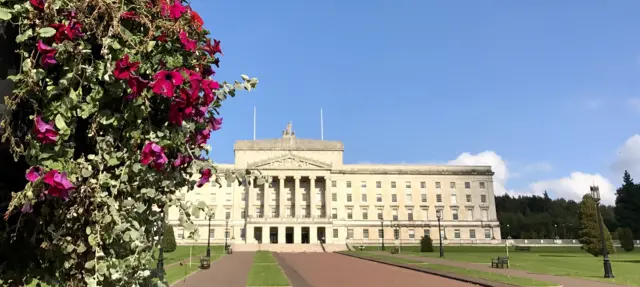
312,196
248,233
297,197
313,234
266,200
251,199
327,196
282,197
297,234
282,235
265,235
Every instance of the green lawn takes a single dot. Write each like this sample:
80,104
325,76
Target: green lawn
265,271
182,253
176,272
564,261
494,277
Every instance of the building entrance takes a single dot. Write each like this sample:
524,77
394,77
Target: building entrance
273,234
321,235
257,234
305,235
289,235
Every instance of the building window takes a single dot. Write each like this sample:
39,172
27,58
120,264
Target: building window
380,233
408,197
380,214
213,197
378,184
349,184
228,183
396,234
407,184
485,214
472,233
349,197
394,198
452,185
467,185
180,233
363,184
289,211
425,213
454,213
288,195
379,197
395,214
335,233
259,212
468,198
365,233
454,198
483,198
243,196
334,213
318,196
423,197
487,233
393,184
349,213
412,234
227,214
334,183
456,233
212,233
410,214
259,196
243,214
334,197
364,197
274,212
228,197
349,233
427,233
469,213
423,184
365,214
437,185
438,198
481,184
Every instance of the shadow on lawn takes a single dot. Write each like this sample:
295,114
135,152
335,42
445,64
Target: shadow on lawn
626,261
557,255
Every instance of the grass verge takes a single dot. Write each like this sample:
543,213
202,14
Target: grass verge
265,271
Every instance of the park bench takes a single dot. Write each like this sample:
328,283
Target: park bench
523,248
361,247
205,262
395,250
500,262
229,249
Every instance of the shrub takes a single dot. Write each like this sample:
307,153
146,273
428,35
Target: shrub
589,234
426,244
112,107
168,239
625,235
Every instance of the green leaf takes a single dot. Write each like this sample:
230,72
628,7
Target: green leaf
102,268
88,230
5,14
46,32
150,45
86,172
90,264
128,203
22,37
60,123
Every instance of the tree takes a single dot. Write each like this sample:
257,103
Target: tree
628,204
426,244
112,106
168,239
589,234
626,239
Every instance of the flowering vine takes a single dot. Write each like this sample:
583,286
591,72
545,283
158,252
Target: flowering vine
113,105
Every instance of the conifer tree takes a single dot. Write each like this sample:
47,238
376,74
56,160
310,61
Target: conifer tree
168,239
589,234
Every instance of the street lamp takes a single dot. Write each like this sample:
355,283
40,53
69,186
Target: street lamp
555,231
439,216
608,272
209,238
508,231
382,235
226,234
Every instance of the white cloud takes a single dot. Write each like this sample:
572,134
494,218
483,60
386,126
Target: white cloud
575,186
498,165
628,157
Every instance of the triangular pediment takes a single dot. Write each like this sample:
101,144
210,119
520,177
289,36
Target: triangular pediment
290,161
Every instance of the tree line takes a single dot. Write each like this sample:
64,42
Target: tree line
529,217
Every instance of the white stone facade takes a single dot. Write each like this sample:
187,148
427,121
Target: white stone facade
312,195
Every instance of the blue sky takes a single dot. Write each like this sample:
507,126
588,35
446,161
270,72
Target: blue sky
546,89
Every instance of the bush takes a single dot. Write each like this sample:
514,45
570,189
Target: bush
112,107
395,250
625,235
426,244
589,233
168,239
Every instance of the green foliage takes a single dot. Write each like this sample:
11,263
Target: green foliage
426,244
626,239
168,239
103,234
628,205
589,234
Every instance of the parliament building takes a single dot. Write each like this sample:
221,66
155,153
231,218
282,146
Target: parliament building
311,196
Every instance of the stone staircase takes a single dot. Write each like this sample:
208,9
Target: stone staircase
296,248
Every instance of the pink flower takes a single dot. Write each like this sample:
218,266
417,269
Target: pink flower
48,54
187,44
200,113
212,50
38,4
137,85
34,173
174,11
196,20
205,176
130,15
166,81
59,185
215,123
208,86
182,160
202,136
45,133
74,30
27,208
153,155
124,68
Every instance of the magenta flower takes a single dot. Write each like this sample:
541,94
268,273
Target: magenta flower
124,69
137,85
208,86
200,113
27,208
38,4
205,176
47,53
166,81
74,30
34,173
153,155
176,10
212,50
130,15
187,44
215,123
59,185
45,133
203,136
182,160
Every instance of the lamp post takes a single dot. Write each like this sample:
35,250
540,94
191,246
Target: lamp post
508,231
555,231
160,264
226,234
608,272
382,235
439,216
209,238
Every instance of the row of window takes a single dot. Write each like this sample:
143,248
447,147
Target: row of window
412,233
455,215
409,198
407,184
